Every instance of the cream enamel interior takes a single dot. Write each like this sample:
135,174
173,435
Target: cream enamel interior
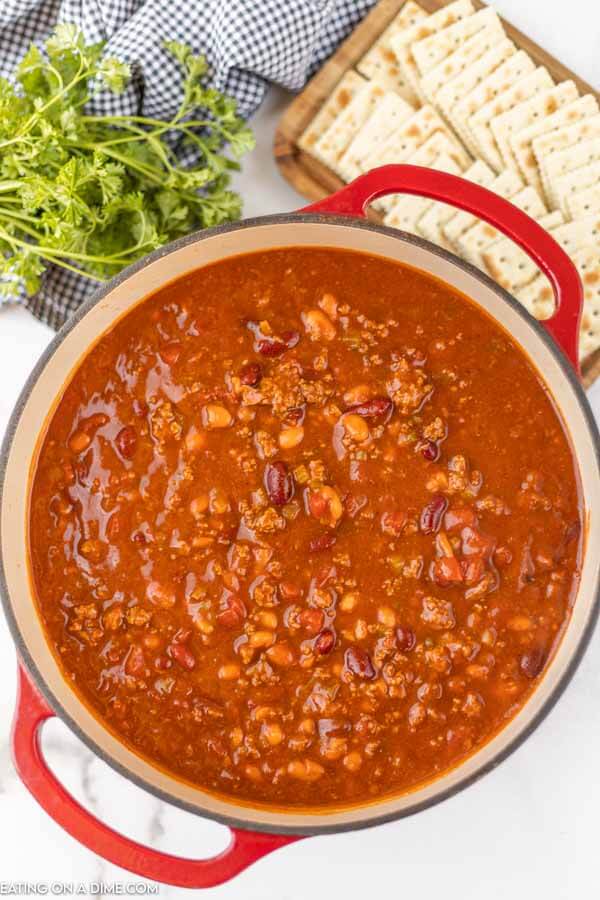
98,319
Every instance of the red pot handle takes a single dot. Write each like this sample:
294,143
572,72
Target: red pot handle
353,199
245,848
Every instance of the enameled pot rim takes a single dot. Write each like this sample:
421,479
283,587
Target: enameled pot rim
30,663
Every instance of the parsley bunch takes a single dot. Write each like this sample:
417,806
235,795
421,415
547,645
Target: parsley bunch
93,193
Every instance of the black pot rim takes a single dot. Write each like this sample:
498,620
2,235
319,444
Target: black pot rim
30,663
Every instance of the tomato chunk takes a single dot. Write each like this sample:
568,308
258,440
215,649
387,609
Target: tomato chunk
474,543
447,570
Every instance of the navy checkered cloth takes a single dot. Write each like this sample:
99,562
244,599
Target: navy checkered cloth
248,44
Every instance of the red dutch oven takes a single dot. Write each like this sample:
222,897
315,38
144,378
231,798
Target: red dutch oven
339,221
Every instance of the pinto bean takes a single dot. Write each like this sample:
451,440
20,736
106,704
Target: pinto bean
319,327
305,770
386,616
326,505
349,602
229,672
355,427
79,441
352,761
291,437
272,733
215,415
261,639
281,654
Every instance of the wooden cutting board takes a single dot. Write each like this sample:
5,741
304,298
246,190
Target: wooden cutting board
314,180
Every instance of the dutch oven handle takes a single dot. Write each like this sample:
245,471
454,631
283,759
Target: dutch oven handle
353,200
245,848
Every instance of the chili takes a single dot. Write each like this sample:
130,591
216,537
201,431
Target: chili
305,527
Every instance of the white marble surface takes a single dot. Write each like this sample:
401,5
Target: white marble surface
527,830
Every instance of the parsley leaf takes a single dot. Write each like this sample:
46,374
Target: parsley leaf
94,193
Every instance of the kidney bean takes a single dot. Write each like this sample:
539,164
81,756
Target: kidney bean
250,374
162,663
182,655
279,483
295,415
373,409
126,442
323,542
311,620
170,353
324,642
358,661
432,513
290,339
289,591
272,346
405,638
532,662
233,612
430,451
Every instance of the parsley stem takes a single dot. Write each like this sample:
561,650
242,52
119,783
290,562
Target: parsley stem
150,173
55,260
6,186
52,253
19,215
158,123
